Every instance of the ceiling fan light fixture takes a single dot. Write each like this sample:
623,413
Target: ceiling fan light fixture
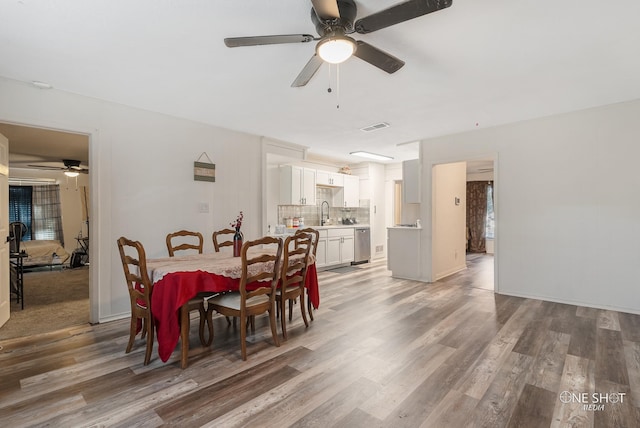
71,173
370,155
336,49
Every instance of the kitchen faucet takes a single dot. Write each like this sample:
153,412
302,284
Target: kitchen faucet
322,212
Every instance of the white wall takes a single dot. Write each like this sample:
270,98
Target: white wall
448,219
141,177
372,189
567,206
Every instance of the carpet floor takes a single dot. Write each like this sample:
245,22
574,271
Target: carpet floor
53,300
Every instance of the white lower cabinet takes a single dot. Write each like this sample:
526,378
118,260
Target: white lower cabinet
321,251
348,249
337,245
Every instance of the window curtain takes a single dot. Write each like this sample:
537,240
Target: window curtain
47,213
476,215
20,207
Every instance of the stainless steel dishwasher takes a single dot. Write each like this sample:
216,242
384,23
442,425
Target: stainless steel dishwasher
362,250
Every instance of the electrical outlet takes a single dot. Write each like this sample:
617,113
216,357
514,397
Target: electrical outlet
203,207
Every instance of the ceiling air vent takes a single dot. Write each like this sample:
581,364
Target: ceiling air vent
375,127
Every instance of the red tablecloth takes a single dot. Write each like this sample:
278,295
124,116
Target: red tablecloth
177,288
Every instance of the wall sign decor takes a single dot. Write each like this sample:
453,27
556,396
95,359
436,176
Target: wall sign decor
204,171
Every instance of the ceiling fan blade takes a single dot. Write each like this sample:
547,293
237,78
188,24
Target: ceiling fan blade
234,42
377,57
326,9
308,71
399,13
46,167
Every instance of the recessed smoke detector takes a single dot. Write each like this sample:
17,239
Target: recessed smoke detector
375,127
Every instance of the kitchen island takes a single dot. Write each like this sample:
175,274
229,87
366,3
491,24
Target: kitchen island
403,252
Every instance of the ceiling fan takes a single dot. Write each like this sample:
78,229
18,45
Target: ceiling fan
71,167
334,20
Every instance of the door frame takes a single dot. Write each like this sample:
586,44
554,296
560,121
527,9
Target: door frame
5,276
94,218
428,193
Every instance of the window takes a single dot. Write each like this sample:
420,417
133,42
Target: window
490,223
38,207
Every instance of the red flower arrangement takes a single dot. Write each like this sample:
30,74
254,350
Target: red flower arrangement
238,223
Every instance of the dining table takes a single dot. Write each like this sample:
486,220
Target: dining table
176,280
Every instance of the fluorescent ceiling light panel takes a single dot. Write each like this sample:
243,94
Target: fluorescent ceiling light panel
371,155
41,85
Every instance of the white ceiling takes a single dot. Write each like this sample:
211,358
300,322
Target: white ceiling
474,65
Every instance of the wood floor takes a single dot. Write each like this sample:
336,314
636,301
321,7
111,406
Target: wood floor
381,352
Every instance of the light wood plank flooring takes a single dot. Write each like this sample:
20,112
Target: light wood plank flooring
381,352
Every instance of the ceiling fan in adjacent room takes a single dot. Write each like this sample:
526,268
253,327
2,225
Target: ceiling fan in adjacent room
334,20
70,167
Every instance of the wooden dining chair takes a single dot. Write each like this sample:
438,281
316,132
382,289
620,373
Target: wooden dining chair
292,279
315,235
259,266
220,239
134,264
185,240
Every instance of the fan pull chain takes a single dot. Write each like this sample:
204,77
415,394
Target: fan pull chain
337,85
329,90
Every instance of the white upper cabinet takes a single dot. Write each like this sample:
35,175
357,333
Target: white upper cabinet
411,181
308,186
351,191
326,178
297,185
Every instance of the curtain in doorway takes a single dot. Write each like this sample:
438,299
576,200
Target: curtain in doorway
47,213
476,215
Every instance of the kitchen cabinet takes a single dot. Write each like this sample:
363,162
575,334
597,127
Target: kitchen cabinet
404,255
340,246
297,185
411,181
326,178
321,251
351,191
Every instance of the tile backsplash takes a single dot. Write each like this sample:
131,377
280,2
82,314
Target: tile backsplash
311,214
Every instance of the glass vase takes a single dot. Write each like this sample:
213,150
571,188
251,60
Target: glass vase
237,242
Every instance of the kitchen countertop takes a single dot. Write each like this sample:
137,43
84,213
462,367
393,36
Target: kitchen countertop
292,230
338,226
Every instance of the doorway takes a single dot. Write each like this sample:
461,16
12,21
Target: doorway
36,158
450,181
